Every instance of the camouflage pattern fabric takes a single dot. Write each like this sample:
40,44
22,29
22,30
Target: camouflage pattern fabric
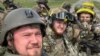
55,45
86,42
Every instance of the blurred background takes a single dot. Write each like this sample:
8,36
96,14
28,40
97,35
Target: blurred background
52,3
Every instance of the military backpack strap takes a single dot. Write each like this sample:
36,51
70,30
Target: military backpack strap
64,43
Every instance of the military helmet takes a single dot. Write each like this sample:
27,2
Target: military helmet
17,18
89,4
87,10
58,13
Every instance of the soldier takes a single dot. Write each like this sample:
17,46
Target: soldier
21,34
82,30
43,9
9,5
66,6
89,5
56,42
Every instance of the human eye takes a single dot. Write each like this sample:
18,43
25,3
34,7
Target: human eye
38,34
87,17
27,34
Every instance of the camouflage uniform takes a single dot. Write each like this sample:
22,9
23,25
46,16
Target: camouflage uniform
10,22
85,37
78,36
43,10
55,45
85,40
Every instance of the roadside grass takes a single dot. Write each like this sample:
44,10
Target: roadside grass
52,3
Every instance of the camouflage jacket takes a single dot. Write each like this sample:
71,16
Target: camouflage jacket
85,41
55,45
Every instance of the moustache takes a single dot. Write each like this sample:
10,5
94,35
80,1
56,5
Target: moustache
35,45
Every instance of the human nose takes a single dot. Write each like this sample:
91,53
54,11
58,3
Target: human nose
61,25
33,39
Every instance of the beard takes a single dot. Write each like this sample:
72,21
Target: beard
34,50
